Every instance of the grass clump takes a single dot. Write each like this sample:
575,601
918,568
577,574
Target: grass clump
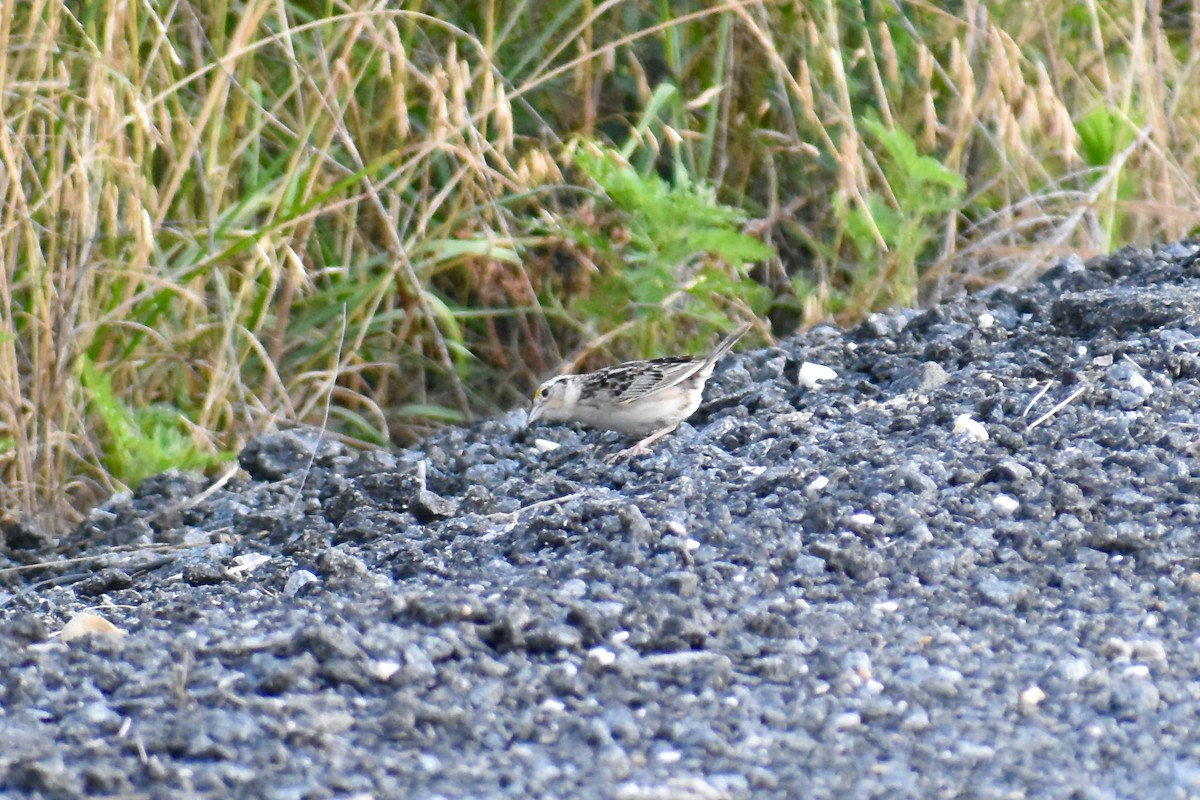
135,444
666,255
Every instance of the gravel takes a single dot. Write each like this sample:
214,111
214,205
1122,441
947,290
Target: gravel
966,565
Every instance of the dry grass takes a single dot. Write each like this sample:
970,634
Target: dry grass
258,214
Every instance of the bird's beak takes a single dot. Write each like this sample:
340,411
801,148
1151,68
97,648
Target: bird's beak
535,413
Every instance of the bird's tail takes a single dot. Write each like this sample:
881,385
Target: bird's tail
728,342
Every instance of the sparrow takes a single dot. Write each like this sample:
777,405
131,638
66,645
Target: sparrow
637,398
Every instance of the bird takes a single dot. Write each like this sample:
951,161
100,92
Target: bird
638,398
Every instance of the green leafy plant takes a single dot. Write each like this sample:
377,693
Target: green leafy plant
138,443
924,191
680,252
1104,136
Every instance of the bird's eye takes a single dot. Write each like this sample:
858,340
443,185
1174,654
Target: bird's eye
542,392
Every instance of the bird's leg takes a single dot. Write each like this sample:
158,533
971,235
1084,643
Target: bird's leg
642,446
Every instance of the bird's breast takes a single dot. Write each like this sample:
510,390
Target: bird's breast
642,416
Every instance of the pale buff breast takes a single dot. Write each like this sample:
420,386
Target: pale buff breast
664,409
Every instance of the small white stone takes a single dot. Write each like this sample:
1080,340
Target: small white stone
1032,697
545,445
85,623
817,484
573,588
1140,671
601,657
247,562
846,721
385,669
1141,385
1006,504
969,426
812,374
675,527
863,519
298,580
986,321
1075,669
977,752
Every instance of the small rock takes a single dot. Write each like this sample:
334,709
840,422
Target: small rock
428,507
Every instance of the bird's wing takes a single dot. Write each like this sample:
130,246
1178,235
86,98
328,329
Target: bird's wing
634,380
668,372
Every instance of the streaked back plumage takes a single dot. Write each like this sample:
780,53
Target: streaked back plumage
635,397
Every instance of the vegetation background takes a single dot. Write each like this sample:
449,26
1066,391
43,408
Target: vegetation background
222,216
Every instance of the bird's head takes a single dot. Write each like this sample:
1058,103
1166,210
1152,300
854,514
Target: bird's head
555,399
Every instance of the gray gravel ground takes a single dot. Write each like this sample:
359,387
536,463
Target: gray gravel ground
832,592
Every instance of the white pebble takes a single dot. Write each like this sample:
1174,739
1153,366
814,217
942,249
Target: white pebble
1006,504
601,656
1141,385
385,669
812,374
969,426
1032,697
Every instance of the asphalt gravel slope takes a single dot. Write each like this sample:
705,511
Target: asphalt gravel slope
965,566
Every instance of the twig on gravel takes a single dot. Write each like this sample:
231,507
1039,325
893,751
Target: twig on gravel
513,515
211,490
1057,408
1036,397
316,448
1141,370
98,557
107,561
